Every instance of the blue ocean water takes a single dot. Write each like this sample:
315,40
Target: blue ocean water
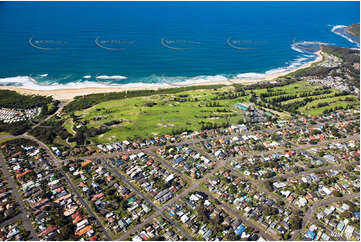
47,45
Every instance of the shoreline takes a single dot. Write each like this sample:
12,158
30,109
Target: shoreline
69,94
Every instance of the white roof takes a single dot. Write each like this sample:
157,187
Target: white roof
169,178
184,218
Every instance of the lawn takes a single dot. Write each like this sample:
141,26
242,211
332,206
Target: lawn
291,89
333,103
159,114
68,125
303,87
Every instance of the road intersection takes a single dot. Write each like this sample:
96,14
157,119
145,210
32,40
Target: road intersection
193,185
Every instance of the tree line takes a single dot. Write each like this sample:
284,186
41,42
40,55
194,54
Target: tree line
86,101
14,100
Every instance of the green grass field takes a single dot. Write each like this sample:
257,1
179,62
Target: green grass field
138,119
299,88
68,125
149,116
291,89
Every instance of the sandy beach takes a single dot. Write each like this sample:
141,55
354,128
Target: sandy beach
69,94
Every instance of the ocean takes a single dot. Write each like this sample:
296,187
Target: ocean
50,45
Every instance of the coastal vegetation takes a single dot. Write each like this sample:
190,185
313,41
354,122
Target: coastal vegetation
14,100
135,115
55,132
148,116
305,98
50,131
15,128
87,101
348,67
354,29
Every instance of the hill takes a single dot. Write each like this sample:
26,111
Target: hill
354,29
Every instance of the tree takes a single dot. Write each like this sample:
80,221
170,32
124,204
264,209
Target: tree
337,194
201,212
268,186
253,98
295,222
286,236
347,214
232,189
67,232
267,210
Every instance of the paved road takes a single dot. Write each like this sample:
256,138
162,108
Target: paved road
244,220
190,142
57,164
11,220
194,185
317,204
329,167
334,235
308,215
58,111
160,211
303,173
295,147
198,140
257,183
224,164
18,198
166,164
85,204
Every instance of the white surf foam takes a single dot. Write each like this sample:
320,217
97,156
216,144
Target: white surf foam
340,30
336,27
43,75
30,83
298,45
292,66
250,75
151,81
105,77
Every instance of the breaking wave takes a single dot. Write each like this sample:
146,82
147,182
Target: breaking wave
104,77
30,83
290,66
308,47
341,30
38,83
43,82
